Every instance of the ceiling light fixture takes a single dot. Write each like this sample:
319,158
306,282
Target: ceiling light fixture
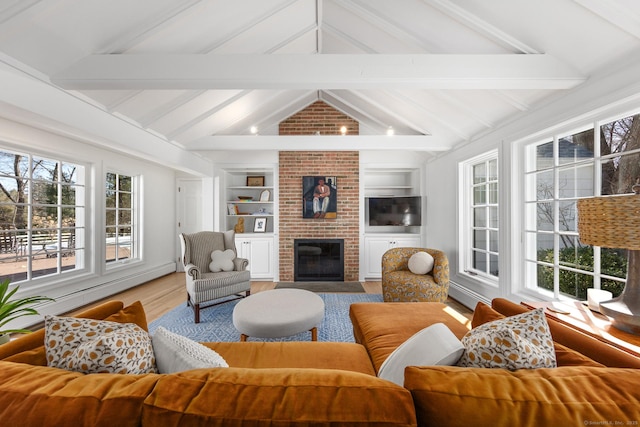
390,131
254,130
343,130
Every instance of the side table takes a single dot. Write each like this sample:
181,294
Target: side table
578,316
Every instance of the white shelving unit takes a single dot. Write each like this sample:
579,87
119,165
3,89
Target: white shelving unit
388,182
250,195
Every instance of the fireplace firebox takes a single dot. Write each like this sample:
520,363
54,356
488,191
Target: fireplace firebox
318,260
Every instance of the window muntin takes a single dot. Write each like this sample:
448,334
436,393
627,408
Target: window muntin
558,173
480,250
121,242
42,216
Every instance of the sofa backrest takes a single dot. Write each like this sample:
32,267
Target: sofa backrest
589,346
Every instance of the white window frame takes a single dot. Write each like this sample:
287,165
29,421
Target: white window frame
60,246
466,223
530,287
135,254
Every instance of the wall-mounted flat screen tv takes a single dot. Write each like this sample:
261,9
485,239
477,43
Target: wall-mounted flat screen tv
395,211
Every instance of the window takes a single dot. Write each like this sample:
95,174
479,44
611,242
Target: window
121,230
559,171
42,216
480,225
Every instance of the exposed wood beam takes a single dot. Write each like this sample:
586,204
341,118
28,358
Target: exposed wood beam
322,142
291,71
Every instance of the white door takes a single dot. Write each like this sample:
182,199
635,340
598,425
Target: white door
189,206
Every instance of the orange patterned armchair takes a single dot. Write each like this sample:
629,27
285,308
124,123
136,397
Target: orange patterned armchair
400,284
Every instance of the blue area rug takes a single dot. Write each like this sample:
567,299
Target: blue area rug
216,324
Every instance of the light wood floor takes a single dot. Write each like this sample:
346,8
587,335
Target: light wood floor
165,293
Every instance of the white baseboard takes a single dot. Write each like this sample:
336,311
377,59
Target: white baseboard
466,296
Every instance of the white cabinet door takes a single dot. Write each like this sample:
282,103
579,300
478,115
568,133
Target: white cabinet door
259,252
375,247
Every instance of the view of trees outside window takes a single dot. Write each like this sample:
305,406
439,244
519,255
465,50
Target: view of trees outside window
119,198
41,216
560,171
484,214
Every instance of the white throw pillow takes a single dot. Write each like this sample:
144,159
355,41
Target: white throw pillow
222,261
421,263
176,353
434,345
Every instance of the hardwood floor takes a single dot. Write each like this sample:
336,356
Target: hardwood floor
165,293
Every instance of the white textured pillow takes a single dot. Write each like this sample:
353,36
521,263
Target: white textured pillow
222,261
434,345
97,346
517,342
421,263
176,353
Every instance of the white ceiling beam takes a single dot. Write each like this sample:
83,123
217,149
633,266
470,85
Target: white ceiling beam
321,142
335,71
465,17
615,13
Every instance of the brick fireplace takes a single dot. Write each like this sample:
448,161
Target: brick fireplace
344,165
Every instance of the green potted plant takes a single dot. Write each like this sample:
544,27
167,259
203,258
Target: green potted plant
11,310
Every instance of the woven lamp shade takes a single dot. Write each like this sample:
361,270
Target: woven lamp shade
610,221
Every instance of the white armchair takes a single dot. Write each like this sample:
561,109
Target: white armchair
202,284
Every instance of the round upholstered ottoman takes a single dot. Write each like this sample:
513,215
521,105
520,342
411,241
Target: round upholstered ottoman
278,313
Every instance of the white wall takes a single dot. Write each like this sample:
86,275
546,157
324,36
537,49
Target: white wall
614,91
158,218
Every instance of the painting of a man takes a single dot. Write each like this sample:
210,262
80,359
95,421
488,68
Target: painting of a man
320,196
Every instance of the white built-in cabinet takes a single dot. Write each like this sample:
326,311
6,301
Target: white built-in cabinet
376,246
382,182
259,251
250,196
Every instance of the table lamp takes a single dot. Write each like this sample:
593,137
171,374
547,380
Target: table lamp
614,222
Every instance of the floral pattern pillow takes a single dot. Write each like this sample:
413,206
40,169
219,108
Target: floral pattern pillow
98,346
517,342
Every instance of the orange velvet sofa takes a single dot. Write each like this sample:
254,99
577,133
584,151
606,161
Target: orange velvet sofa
594,383
268,384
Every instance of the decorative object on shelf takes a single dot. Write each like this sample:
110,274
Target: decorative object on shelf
255,181
614,222
245,198
232,209
239,227
11,310
264,195
260,225
319,197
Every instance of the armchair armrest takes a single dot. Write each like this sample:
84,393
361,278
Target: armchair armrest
240,264
192,271
440,270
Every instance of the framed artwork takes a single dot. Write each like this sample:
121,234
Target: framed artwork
260,225
319,197
255,181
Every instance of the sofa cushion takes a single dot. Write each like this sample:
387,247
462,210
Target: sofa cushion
43,396
30,348
517,342
98,346
175,353
434,345
383,327
277,397
420,263
567,396
345,356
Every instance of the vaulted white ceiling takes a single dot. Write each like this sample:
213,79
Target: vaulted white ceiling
200,73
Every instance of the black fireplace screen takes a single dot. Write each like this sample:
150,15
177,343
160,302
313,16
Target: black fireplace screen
318,260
